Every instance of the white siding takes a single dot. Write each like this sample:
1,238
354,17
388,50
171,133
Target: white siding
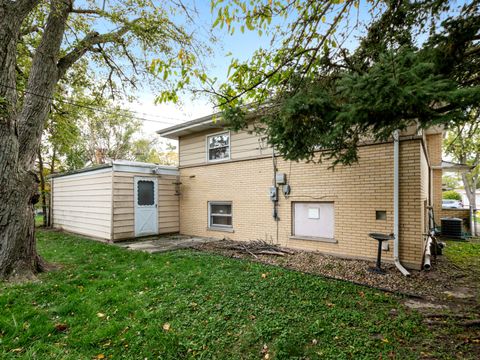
192,148
82,203
123,211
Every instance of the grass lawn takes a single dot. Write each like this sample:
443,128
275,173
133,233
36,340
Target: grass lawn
465,254
38,220
107,302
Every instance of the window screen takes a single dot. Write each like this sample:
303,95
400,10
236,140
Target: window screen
218,147
146,193
313,219
220,214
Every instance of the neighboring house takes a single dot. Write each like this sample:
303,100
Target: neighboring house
115,201
465,201
229,179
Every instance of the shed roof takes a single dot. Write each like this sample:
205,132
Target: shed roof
124,166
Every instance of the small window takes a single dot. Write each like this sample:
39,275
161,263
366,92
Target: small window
146,193
218,147
313,220
381,215
220,214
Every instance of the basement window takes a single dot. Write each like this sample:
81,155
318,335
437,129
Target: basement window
218,147
220,215
313,220
380,215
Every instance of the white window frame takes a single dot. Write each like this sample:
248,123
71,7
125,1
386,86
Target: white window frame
220,226
207,149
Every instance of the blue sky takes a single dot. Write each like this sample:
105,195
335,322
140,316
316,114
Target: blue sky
240,45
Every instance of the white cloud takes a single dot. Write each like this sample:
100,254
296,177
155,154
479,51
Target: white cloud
165,115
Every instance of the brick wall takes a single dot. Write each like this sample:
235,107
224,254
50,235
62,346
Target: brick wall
434,146
357,192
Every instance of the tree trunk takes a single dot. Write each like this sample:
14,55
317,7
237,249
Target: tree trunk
470,190
20,133
52,171
43,194
18,194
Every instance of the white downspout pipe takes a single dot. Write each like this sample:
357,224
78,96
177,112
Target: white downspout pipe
396,203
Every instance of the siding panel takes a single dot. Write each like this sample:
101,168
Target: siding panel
123,199
83,204
192,148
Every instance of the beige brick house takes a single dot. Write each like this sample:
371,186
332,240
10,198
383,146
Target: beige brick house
226,180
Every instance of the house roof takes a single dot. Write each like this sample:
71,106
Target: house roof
213,121
448,166
124,166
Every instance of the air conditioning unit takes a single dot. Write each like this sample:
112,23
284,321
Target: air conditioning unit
452,228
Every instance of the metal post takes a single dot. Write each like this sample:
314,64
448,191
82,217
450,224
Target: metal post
379,255
472,221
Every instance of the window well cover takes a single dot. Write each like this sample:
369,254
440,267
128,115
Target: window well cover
314,219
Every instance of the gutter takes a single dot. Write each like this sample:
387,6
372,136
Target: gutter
396,203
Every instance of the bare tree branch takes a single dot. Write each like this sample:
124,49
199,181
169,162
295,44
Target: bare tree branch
87,11
91,39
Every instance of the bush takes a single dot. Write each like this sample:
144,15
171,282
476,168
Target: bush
451,195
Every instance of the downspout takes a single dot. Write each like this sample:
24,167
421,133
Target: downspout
396,203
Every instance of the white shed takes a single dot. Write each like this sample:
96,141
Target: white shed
117,201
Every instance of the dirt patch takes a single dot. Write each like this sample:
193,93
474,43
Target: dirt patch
164,243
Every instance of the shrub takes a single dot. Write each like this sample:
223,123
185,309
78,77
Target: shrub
451,195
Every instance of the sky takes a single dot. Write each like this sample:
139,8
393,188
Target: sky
240,45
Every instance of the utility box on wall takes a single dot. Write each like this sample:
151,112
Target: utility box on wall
281,178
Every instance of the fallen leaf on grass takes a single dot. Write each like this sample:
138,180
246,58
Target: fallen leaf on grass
101,315
264,351
100,356
166,326
17,350
264,276
61,327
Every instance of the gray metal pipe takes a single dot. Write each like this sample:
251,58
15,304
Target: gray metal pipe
396,203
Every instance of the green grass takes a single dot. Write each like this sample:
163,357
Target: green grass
38,220
464,254
115,303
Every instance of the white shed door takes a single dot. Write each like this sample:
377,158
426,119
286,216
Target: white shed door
146,207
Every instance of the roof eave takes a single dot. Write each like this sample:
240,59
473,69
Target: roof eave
213,121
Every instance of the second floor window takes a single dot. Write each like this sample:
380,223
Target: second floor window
218,147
